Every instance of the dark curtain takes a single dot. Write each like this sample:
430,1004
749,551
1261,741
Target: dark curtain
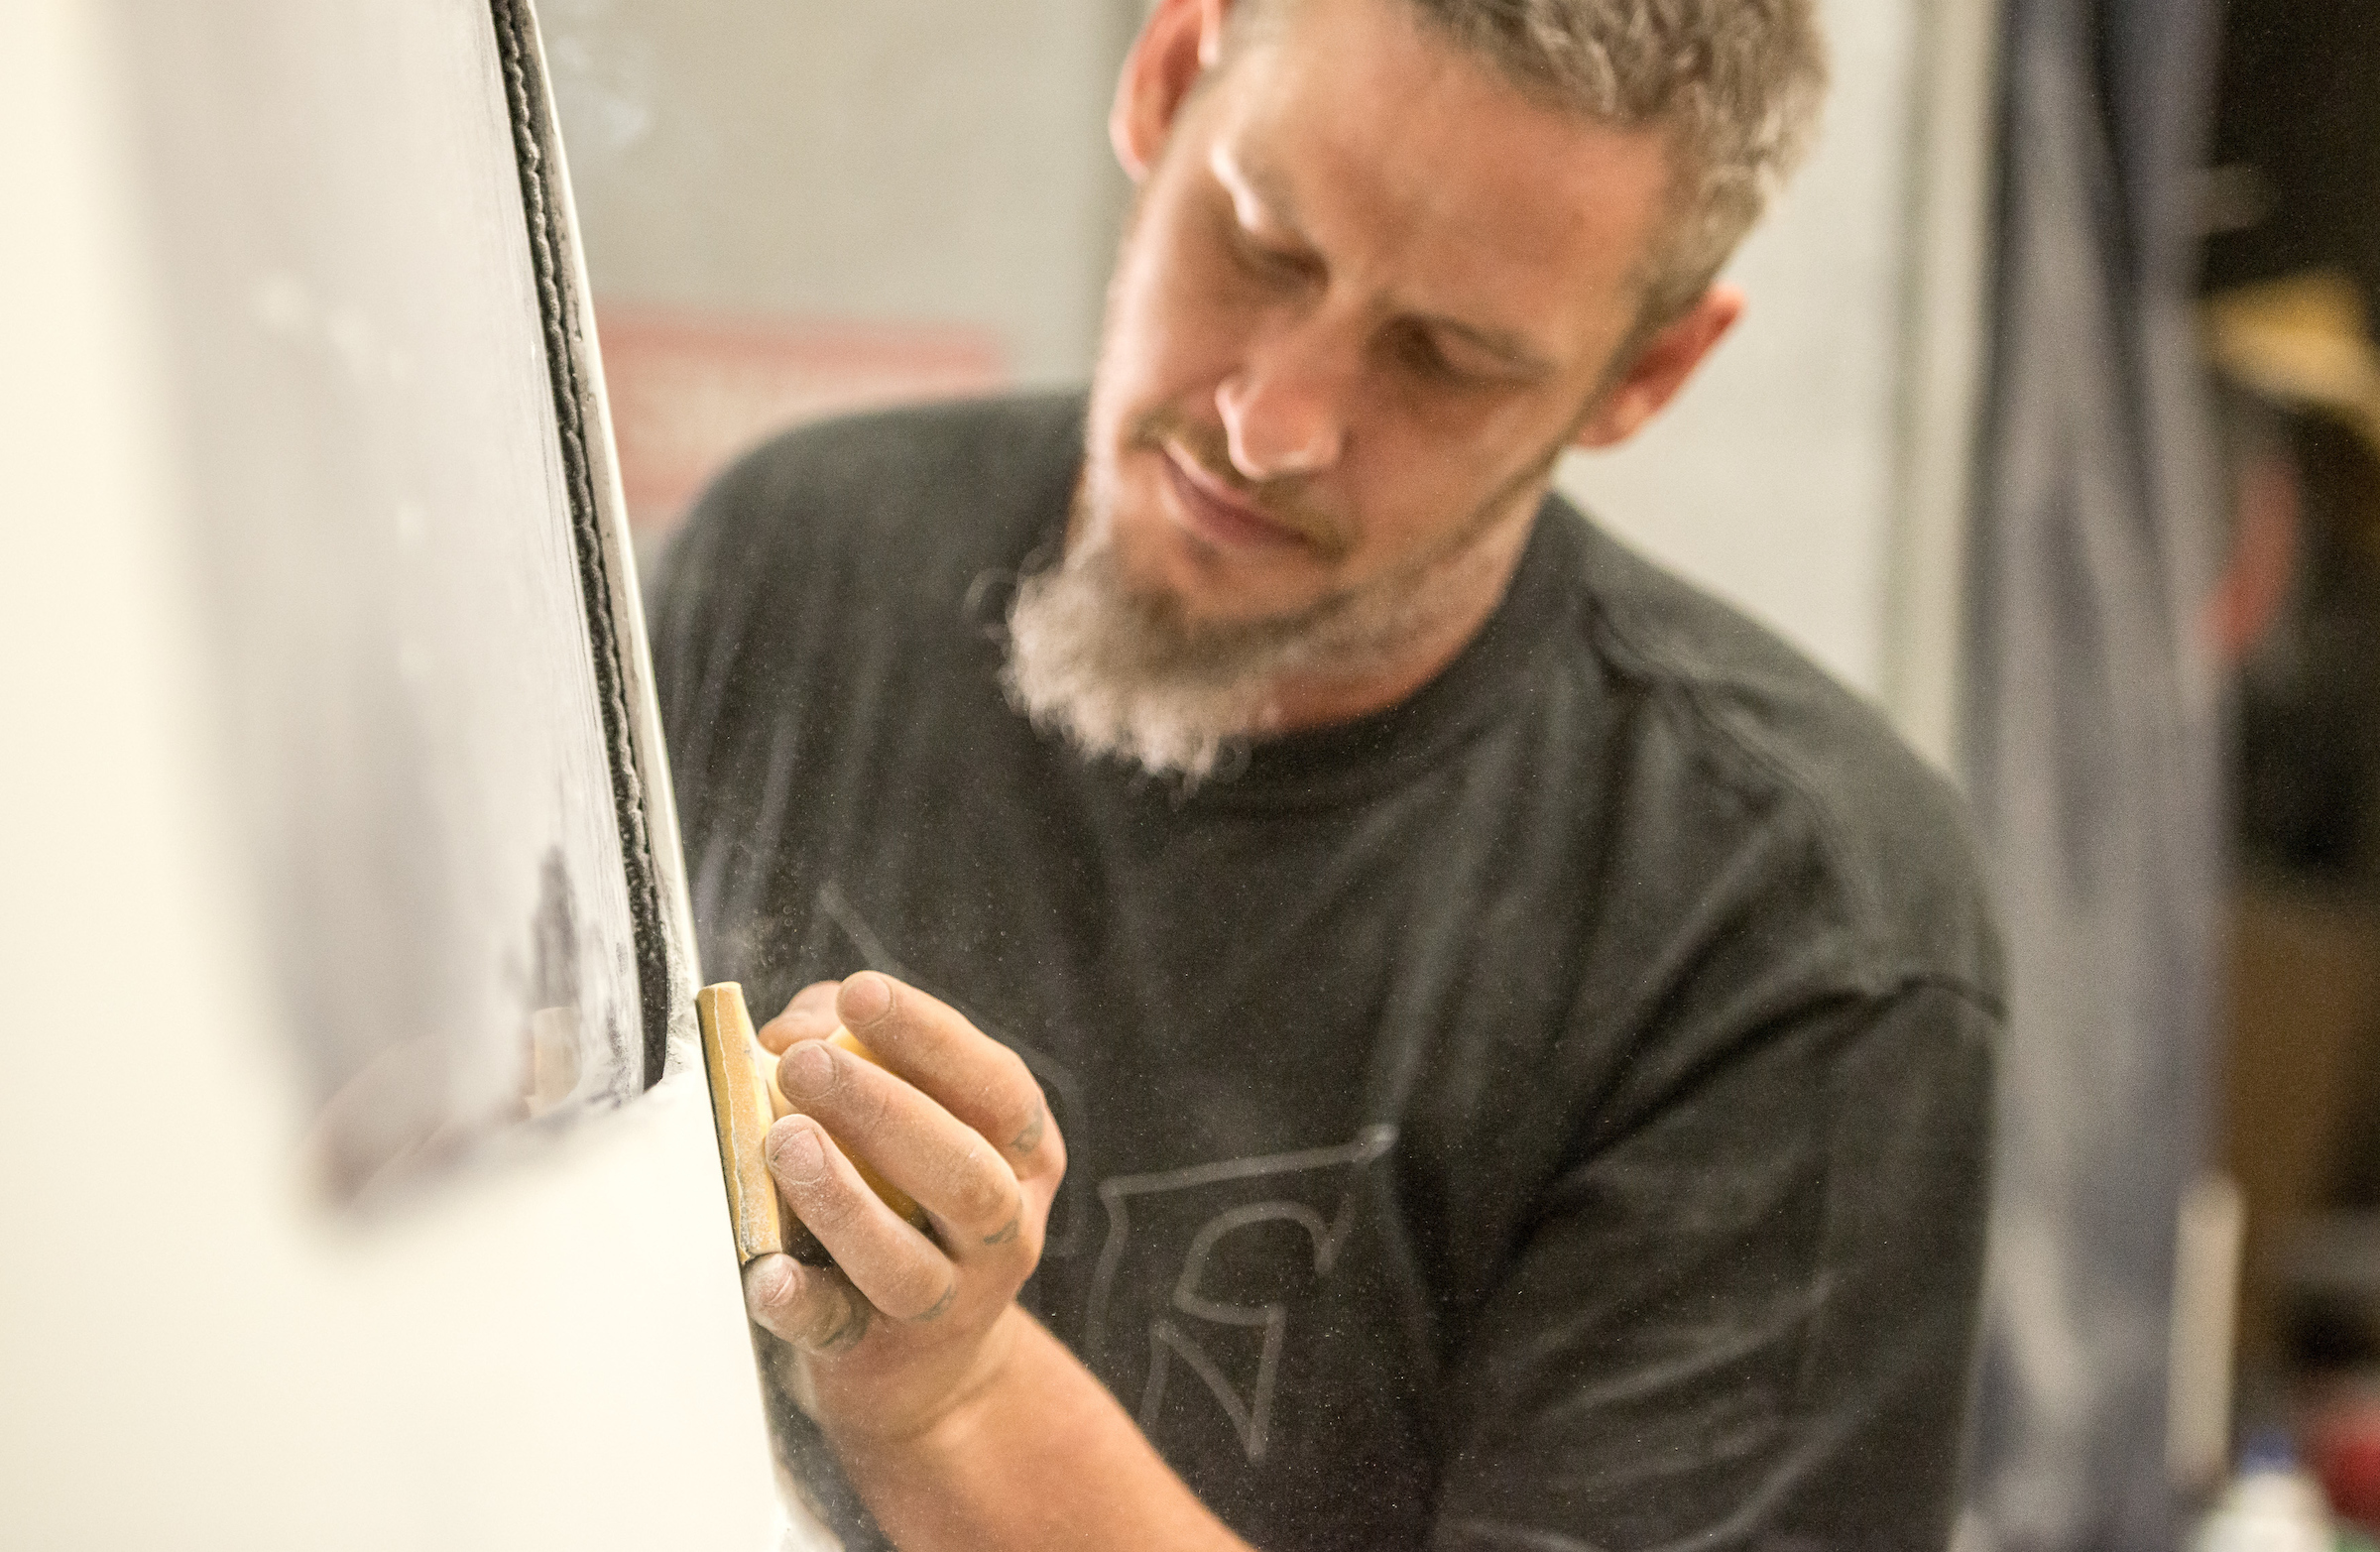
2093,754
2299,113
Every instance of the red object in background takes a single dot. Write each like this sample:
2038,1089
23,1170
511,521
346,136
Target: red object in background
2345,1454
2268,517
689,390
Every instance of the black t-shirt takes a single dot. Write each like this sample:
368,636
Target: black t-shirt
1551,1113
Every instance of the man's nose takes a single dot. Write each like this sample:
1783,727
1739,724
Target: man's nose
1285,411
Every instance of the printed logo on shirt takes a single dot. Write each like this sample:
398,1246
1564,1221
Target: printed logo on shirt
1201,1268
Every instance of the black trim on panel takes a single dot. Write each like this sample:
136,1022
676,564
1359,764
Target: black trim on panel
557,304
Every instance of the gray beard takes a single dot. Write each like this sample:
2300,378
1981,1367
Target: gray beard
1123,675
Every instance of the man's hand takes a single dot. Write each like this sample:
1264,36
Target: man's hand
906,1326
945,1401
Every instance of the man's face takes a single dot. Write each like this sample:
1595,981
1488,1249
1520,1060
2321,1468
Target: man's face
1369,294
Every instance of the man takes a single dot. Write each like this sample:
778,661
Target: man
1409,1028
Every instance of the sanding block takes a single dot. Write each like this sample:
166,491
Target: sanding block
741,1110
745,1099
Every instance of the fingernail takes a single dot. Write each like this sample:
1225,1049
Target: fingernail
769,1281
807,1071
865,999
794,1157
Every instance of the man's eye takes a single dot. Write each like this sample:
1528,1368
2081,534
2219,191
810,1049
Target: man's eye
1262,260
1419,351
1266,261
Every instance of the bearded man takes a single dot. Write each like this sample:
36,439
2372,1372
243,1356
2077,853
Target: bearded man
1408,1027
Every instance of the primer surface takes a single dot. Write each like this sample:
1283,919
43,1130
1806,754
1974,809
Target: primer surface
410,695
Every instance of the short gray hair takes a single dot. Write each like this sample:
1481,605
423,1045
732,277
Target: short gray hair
1737,84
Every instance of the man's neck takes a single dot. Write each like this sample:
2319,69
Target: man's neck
1466,588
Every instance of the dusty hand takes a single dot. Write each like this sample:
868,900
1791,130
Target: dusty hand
906,1326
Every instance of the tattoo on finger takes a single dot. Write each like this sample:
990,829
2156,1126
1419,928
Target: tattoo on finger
1031,1137
1006,1231
942,1306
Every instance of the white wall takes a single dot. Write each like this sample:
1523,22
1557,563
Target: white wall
904,159
1772,479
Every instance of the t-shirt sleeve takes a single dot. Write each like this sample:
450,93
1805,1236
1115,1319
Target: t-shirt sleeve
1748,1323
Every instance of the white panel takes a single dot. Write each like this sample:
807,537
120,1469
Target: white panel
394,581
196,1354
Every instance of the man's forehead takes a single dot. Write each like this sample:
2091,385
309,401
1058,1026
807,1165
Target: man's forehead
1266,201
1356,123
1263,190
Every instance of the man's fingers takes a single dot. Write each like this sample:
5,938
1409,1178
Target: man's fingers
809,1016
893,1267
943,1163
975,1077
813,1307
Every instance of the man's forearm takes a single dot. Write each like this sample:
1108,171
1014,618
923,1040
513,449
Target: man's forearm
1042,1459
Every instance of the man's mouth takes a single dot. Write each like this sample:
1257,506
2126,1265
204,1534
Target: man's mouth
1215,511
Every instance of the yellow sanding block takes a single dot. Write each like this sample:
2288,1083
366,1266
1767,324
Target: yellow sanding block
745,1099
741,1110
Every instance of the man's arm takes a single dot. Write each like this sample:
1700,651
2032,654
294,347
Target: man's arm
960,1421
1041,1458
1747,1318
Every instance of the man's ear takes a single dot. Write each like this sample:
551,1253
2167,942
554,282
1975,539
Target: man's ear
1180,42
1663,364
